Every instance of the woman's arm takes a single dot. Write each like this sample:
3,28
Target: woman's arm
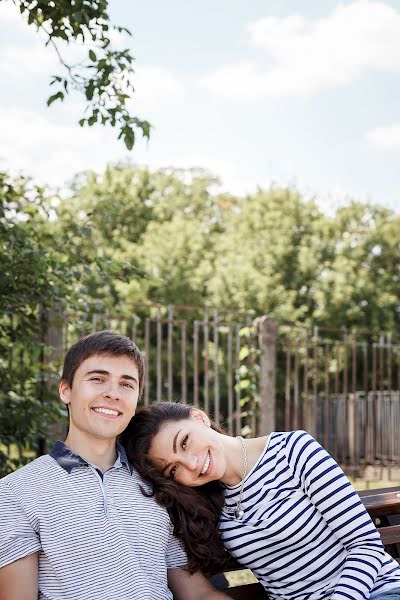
328,488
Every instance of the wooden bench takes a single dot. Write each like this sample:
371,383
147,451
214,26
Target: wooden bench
384,508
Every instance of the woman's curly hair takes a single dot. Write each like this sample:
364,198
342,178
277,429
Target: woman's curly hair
194,511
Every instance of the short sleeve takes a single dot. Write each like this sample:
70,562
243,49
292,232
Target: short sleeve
17,537
176,556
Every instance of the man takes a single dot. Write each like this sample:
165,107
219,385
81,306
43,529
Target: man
74,524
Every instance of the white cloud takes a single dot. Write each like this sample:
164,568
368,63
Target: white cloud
384,138
28,61
51,152
10,15
155,87
306,56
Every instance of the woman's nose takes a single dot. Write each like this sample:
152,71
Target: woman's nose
191,461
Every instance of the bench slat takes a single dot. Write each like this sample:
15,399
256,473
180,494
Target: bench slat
380,505
390,534
252,591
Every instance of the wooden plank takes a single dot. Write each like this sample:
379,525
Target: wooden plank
253,591
379,505
390,534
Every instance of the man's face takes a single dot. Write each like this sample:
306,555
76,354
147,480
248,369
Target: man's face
103,396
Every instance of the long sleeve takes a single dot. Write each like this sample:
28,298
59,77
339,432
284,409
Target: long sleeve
329,490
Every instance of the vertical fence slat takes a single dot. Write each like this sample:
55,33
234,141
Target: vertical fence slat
237,380
288,415
206,358
305,411
170,358
183,363
147,360
196,363
229,380
159,356
216,367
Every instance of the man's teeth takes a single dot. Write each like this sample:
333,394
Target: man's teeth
206,464
107,411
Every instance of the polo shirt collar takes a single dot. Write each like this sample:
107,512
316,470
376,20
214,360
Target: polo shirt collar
68,459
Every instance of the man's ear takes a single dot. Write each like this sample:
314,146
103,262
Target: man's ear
64,390
200,415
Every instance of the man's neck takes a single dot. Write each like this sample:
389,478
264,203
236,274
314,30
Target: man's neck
99,452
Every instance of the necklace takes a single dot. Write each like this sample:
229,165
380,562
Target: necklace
237,510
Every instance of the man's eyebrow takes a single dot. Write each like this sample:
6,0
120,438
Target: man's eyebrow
102,372
175,438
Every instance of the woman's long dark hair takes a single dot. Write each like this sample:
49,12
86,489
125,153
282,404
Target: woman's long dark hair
194,511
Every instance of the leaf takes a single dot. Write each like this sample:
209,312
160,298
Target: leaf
89,91
58,96
92,56
129,139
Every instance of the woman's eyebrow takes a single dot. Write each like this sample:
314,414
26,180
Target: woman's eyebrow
175,438
165,468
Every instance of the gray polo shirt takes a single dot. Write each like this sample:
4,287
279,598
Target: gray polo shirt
98,536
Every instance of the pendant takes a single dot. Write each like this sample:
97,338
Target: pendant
239,514
232,510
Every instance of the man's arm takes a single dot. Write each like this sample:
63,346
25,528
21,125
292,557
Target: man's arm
191,587
20,579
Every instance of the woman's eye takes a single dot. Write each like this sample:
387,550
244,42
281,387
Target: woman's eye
184,442
173,471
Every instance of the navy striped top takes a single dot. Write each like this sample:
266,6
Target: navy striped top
305,533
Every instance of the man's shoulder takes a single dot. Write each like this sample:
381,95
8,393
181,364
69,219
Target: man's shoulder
33,471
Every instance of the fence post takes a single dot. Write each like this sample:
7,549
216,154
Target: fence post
267,333
51,333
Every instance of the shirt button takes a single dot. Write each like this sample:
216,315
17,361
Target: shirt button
111,501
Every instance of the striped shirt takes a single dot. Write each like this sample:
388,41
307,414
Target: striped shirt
305,533
98,536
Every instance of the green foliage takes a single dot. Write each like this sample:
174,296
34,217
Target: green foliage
105,78
130,235
29,276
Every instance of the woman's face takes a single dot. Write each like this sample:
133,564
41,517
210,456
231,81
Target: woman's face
189,451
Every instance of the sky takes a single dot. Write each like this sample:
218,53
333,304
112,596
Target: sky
297,93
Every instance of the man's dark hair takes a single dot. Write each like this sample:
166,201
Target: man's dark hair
101,342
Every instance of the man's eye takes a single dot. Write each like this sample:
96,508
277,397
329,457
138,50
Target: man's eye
97,379
128,385
184,442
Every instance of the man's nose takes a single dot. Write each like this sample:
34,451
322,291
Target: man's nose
112,391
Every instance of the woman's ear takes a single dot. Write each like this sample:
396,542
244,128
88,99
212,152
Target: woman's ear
200,415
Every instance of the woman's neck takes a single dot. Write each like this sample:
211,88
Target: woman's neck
234,457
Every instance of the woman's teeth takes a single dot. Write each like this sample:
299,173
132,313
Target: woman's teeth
206,464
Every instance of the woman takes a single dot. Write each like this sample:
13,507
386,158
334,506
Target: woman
282,505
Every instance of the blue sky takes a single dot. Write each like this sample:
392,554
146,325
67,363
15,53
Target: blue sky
293,92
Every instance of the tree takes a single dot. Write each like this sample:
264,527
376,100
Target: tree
105,77
30,277
358,286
